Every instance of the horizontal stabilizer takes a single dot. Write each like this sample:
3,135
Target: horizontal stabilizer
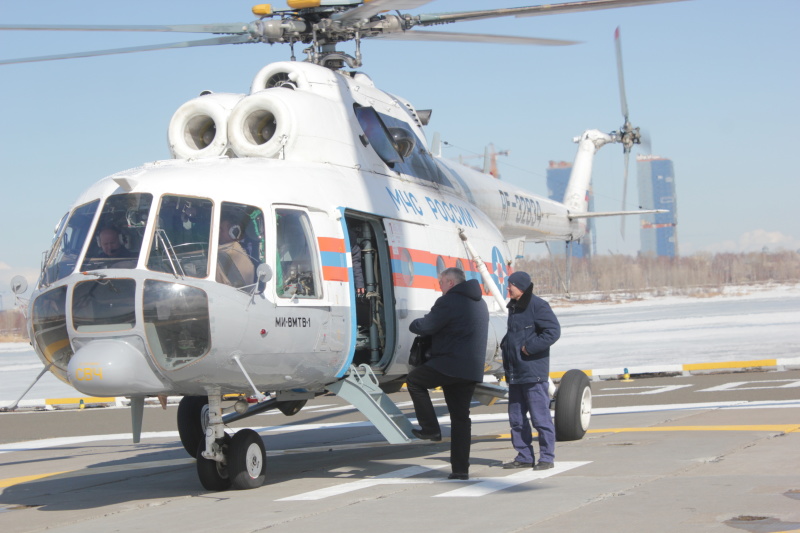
573,216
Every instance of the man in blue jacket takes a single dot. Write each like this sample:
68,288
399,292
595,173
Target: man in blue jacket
458,323
532,329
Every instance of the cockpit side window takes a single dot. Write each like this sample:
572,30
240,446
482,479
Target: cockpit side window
377,135
63,255
119,232
398,146
181,237
241,244
296,263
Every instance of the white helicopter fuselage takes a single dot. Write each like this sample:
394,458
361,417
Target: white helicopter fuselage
319,161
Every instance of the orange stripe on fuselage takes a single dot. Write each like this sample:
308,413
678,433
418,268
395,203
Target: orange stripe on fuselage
335,273
331,244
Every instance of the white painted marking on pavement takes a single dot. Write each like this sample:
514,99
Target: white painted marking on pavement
398,477
488,485
762,385
480,486
650,389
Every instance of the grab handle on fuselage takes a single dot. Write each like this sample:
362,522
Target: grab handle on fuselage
487,278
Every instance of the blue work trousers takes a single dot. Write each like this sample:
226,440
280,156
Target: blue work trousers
458,396
533,399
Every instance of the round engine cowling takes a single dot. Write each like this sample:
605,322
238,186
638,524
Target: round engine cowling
199,128
261,125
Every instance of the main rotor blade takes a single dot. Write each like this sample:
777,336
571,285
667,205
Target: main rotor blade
231,39
366,11
231,28
621,76
532,11
412,35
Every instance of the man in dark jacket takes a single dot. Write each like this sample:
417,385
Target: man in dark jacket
459,325
532,329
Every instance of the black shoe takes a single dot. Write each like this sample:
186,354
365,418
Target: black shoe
516,464
543,465
435,437
462,477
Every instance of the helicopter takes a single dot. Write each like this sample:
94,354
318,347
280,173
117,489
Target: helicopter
232,270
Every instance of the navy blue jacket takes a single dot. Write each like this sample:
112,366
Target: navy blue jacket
459,325
533,325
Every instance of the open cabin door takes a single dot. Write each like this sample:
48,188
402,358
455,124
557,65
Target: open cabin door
371,286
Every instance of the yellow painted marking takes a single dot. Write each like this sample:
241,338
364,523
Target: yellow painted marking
98,470
24,479
86,399
786,428
559,375
731,364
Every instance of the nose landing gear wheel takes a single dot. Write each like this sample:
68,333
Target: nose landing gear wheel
192,421
214,476
247,460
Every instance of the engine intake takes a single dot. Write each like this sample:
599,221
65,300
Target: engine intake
199,128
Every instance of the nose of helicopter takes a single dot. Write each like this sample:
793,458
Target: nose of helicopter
112,367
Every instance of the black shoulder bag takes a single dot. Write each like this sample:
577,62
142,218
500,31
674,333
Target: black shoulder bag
419,350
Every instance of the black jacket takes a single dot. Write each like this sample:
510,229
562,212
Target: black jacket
532,324
459,325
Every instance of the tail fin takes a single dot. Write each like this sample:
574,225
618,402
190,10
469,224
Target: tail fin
576,197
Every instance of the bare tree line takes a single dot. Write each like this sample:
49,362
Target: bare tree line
12,326
607,275
696,274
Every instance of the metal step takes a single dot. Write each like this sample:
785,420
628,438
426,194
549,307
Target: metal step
360,388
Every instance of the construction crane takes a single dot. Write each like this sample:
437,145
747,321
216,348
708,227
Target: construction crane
489,160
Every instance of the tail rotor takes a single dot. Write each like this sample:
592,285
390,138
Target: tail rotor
627,135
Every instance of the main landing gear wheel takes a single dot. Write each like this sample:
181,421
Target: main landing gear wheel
214,476
573,406
192,422
247,460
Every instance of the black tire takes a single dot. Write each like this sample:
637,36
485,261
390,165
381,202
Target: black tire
213,476
573,406
247,460
190,423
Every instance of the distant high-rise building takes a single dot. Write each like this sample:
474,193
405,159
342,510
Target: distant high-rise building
557,179
658,233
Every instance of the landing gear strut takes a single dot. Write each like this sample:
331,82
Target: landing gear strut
223,461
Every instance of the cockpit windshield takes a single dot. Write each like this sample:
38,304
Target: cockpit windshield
119,232
181,238
68,243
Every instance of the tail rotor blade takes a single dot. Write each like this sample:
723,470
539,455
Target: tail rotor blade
646,143
624,193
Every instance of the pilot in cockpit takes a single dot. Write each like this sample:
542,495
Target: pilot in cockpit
234,266
110,242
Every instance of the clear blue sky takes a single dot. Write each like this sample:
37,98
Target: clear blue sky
714,82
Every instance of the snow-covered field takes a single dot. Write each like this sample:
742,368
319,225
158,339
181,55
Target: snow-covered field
743,324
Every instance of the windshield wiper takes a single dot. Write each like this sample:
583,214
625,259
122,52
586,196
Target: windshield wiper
174,263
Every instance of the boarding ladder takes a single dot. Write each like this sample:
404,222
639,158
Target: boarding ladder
360,388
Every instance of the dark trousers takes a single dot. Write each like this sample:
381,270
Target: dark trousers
458,396
533,399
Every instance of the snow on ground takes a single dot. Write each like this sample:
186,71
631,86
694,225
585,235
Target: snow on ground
741,324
